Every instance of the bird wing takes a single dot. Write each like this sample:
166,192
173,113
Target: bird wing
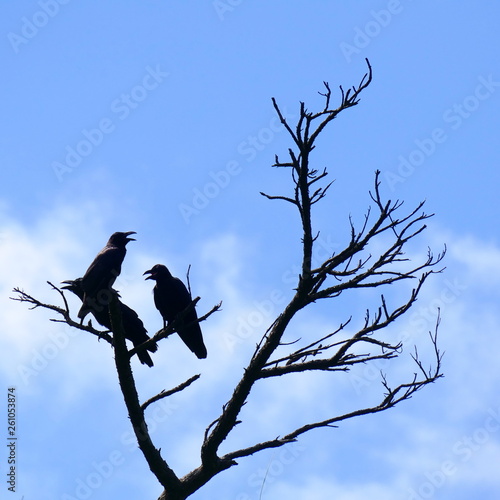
104,269
134,330
171,299
134,327
191,335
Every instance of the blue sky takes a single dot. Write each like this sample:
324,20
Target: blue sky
157,117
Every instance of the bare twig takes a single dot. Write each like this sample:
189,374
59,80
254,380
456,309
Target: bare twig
172,327
65,313
166,394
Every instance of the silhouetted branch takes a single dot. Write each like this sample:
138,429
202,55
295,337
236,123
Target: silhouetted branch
172,327
385,230
158,466
392,397
166,394
64,312
349,271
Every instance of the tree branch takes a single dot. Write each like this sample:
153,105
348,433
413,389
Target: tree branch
310,286
25,297
350,269
166,394
392,397
158,466
172,327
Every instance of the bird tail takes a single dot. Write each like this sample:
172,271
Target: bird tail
193,338
201,352
143,355
145,358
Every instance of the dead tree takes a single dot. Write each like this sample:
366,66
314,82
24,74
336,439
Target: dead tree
350,269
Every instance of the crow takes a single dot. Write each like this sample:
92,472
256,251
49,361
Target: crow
172,297
133,327
102,273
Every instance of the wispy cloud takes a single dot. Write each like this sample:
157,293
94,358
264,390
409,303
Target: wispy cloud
52,248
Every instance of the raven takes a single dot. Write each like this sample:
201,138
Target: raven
102,273
172,297
133,327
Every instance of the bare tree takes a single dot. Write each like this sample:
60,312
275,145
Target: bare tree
350,269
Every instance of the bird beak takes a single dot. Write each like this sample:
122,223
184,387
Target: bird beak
67,283
128,234
149,272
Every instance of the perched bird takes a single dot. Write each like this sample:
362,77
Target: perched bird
102,273
133,327
172,297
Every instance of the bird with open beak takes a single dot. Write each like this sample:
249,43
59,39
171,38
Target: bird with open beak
102,273
171,297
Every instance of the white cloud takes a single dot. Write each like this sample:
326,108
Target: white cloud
481,260
82,369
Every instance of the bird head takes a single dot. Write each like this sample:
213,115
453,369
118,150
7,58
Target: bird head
74,286
121,239
157,271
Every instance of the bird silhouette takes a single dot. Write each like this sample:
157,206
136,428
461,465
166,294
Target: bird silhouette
133,327
102,273
171,297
